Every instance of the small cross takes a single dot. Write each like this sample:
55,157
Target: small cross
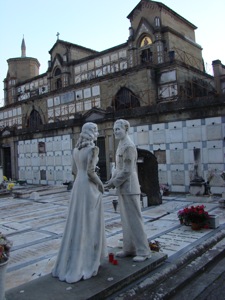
57,35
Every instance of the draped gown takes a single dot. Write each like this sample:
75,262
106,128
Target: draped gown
83,246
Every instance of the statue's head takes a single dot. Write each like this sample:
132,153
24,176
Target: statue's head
122,123
89,131
121,128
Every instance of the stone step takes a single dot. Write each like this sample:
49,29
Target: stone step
109,280
171,277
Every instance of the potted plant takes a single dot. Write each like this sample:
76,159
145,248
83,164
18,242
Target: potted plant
196,216
5,246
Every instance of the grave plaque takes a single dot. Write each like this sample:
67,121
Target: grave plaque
50,174
177,156
159,137
143,138
178,177
163,176
57,145
194,134
214,155
176,135
214,132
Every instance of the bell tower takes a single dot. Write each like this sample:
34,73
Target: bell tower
19,69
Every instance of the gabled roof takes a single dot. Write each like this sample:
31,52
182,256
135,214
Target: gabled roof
71,45
139,5
94,114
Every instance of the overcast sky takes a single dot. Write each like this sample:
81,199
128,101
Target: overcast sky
99,25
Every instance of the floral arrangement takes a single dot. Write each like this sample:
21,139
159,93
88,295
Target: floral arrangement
164,188
154,246
10,186
5,246
194,214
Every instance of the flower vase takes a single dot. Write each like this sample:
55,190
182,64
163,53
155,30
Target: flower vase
196,226
3,267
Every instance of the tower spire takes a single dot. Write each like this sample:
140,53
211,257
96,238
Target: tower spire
23,48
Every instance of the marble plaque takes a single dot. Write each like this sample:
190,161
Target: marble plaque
143,138
49,146
194,134
215,155
27,148
214,132
34,148
95,90
20,148
58,160
59,173
178,177
36,175
57,145
21,160
176,135
35,161
50,175
66,145
42,160
50,160
163,177
159,137
177,156
87,93
66,160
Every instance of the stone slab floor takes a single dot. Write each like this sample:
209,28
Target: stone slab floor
36,226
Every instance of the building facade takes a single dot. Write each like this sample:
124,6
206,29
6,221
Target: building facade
156,80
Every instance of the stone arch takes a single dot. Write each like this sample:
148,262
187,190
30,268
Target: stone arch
125,99
34,118
145,46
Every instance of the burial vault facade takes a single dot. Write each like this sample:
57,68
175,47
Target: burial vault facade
156,79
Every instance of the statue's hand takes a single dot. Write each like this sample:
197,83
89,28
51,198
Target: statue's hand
109,185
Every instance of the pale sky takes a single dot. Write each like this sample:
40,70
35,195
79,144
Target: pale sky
99,25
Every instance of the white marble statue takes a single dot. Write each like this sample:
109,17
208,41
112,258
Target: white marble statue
83,246
125,179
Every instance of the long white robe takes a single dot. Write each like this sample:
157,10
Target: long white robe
83,246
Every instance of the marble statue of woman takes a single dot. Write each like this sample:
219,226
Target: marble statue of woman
83,246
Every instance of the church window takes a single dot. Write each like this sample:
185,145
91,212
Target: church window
34,121
125,99
145,41
157,22
146,53
57,72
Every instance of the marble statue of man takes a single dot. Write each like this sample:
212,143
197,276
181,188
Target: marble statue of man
125,180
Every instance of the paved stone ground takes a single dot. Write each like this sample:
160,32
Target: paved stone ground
36,227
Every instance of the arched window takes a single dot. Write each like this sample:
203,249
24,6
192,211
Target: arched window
146,53
145,41
125,99
57,72
34,121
